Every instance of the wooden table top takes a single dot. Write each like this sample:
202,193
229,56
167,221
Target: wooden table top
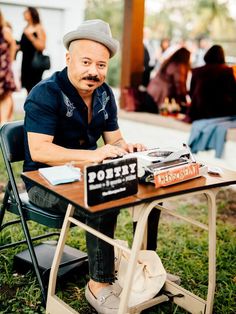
74,192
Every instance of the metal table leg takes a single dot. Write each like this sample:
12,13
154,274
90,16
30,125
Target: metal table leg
211,199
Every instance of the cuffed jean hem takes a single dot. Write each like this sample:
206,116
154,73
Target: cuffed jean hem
103,279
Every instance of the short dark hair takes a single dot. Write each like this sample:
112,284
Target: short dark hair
215,55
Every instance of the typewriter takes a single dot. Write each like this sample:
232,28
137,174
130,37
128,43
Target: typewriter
164,167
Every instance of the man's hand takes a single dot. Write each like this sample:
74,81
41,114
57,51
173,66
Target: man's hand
116,140
108,151
131,148
112,151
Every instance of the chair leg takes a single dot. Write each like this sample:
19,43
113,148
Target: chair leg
40,237
34,260
2,213
4,204
30,247
29,241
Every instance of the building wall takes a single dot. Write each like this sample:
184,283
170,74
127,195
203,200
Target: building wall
58,17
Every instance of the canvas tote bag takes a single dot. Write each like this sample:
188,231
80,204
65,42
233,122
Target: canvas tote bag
149,276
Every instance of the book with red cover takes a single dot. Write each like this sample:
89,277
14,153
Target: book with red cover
175,175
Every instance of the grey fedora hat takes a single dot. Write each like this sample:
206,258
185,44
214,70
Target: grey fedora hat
96,30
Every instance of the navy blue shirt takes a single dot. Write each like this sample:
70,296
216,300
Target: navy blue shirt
55,108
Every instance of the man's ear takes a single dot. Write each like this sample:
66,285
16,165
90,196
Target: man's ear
68,57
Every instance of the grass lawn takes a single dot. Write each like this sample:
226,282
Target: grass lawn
181,247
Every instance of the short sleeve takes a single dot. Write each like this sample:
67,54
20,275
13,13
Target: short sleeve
41,110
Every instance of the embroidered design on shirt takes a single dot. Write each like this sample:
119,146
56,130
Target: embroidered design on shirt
69,106
105,100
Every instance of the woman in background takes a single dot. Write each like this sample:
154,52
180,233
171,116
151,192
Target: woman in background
212,87
170,80
7,84
33,39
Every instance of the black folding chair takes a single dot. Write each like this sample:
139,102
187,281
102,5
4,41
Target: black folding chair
12,147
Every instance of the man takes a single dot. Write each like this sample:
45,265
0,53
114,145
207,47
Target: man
65,115
149,57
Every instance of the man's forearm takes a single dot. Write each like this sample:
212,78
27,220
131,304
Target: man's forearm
120,143
52,154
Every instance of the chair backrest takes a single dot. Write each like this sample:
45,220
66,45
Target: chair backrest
12,141
12,147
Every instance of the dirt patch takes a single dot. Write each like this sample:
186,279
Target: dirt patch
2,187
5,290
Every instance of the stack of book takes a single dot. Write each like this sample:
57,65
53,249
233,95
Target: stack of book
172,175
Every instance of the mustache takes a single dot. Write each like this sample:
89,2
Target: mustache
91,78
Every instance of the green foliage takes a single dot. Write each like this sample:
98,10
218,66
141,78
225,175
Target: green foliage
110,11
113,75
2,169
192,18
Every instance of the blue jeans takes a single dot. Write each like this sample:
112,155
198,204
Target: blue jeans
100,253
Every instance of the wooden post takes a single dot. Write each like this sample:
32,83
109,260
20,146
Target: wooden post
132,44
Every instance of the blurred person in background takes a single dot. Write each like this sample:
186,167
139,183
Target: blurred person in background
149,56
170,81
164,45
7,84
212,87
33,39
203,44
15,67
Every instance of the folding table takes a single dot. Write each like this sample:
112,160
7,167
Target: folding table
141,204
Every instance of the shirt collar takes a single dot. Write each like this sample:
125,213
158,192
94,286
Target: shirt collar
100,96
66,85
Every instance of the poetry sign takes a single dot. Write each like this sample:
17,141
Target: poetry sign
110,181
